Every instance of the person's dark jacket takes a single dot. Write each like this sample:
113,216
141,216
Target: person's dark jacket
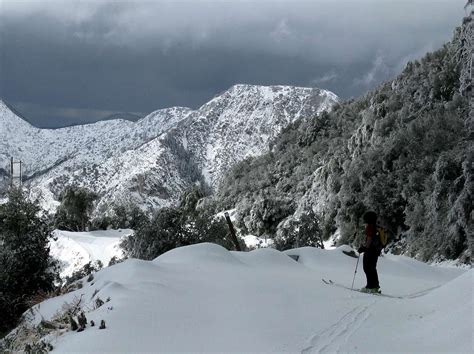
370,244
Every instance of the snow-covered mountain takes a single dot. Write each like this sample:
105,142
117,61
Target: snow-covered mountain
151,161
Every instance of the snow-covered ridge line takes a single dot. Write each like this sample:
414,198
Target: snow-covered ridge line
39,148
7,113
142,162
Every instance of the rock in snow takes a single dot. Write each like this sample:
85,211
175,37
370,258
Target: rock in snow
202,298
151,161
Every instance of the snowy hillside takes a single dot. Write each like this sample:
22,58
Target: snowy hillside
73,250
151,161
202,298
54,158
401,150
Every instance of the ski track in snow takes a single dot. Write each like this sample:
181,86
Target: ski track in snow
331,339
420,293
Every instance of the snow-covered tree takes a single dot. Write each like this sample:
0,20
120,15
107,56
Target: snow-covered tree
75,209
25,265
402,150
171,227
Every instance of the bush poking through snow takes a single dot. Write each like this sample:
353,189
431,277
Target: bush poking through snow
82,320
38,348
73,324
96,291
102,324
72,308
115,260
34,338
98,302
87,270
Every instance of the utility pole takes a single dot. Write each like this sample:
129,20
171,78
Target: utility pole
16,176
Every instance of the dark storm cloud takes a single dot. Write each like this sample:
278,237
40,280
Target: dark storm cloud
72,61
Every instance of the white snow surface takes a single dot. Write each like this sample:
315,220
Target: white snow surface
253,241
73,250
203,298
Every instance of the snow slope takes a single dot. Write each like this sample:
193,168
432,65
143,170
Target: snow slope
202,298
73,250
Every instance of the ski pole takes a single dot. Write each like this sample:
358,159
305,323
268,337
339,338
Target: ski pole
352,287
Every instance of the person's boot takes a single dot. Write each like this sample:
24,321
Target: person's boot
374,291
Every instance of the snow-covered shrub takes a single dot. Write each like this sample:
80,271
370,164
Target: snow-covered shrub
122,216
26,268
306,231
86,271
75,210
31,336
172,227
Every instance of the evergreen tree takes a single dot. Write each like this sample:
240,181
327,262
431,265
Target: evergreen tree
300,233
75,209
171,227
25,265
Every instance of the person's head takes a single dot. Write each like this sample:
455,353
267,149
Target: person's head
370,217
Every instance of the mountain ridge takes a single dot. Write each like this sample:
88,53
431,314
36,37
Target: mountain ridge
151,161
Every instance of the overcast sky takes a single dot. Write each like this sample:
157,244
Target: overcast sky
67,62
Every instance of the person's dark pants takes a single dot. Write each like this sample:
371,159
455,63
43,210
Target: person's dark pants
370,269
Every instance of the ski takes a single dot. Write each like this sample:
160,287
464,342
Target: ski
330,282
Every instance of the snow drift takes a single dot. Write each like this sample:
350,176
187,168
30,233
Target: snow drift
203,298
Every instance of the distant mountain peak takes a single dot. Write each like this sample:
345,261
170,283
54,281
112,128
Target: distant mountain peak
9,115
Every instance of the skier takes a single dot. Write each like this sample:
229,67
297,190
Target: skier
371,250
